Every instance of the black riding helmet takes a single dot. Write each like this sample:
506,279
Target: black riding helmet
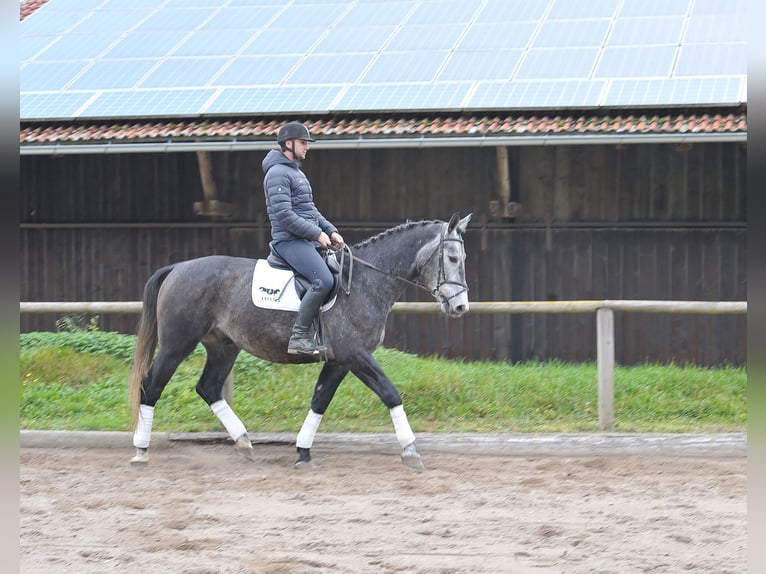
291,131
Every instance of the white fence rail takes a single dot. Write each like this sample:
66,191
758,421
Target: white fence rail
604,310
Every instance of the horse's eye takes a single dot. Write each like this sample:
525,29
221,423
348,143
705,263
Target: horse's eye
453,259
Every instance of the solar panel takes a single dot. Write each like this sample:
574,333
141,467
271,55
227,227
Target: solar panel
273,100
536,94
449,12
77,46
274,41
567,9
379,14
183,73
30,46
115,21
673,92
636,62
405,67
643,31
113,74
709,29
51,22
329,69
718,7
350,40
480,65
146,45
48,76
322,16
512,11
256,70
148,103
571,33
654,8
214,43
52,105
444,96
247,18
420,37
64,7
712,60
118,58
174,19
498,36
554,64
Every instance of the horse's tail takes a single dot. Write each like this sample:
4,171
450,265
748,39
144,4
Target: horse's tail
146,341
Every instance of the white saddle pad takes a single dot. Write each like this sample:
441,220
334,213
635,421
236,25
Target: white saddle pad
275,288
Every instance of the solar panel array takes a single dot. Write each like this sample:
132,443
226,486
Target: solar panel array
146,58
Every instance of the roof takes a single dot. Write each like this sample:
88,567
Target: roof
367,72
372,131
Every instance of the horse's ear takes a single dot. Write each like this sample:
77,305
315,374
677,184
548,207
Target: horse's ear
458,223
453,222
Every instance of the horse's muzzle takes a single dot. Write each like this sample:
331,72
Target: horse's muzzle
455,305
456,311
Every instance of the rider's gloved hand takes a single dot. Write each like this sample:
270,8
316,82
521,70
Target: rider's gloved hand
337,240
323,240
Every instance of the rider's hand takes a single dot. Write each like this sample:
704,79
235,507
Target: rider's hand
337,239
324,240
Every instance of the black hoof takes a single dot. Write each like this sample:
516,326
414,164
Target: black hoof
304,458
304,455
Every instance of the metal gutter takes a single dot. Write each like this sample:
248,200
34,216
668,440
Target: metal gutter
384,142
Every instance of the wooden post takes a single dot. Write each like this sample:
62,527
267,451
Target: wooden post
503,177
211,206
209,189
605,359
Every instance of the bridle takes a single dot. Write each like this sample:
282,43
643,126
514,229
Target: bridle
441,277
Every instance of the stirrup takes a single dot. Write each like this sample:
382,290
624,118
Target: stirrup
304,346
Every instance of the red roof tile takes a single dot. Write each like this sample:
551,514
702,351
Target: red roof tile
384,127
29,7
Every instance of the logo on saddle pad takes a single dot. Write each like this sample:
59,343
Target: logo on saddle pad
275,288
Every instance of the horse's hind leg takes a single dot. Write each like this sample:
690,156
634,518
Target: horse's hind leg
221,355
165,364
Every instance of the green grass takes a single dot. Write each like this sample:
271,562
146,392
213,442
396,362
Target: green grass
78,381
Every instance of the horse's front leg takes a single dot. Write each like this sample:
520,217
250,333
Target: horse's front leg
371,374
327,383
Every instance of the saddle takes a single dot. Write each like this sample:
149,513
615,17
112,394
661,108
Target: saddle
277,286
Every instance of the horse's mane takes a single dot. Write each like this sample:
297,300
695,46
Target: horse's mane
402,227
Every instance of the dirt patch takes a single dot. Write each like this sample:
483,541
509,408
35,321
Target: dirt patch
200,509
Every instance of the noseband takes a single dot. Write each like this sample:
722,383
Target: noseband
435,292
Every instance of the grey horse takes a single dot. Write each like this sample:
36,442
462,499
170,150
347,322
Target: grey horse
208,300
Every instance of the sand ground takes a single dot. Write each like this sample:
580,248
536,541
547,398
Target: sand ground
201,509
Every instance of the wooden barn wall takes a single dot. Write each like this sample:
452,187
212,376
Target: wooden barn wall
595,222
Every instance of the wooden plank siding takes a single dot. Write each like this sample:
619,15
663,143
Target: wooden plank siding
597,222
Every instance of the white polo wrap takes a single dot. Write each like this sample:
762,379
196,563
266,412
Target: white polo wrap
402,426
228,419
143,433
308,430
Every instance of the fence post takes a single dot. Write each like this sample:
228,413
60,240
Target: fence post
605,359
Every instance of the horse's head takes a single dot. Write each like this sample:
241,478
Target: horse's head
443,269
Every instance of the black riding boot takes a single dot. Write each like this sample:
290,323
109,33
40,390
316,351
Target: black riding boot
300,342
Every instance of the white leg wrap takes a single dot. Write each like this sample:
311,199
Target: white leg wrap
143,433
228,419
402,426
308,430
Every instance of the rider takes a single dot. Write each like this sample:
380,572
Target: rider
297,227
